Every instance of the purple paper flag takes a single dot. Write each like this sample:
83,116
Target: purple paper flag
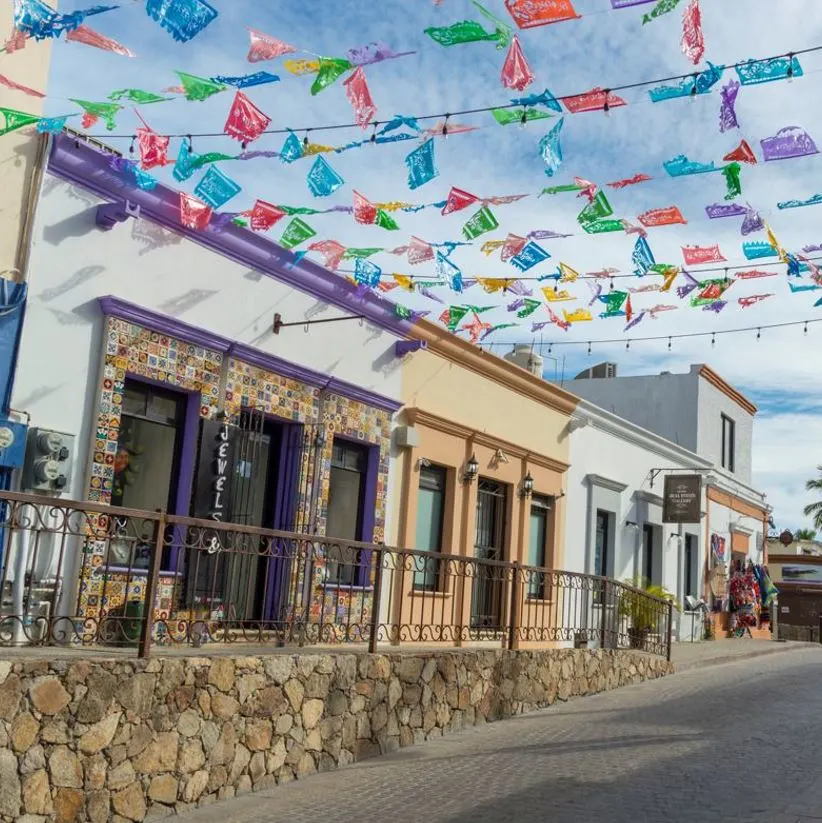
725,210
792,141
752,222
373,53
684,291
727,113
716,306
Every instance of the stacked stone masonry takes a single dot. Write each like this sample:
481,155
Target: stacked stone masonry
141,739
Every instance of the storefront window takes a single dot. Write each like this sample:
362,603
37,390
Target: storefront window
537,539
430,515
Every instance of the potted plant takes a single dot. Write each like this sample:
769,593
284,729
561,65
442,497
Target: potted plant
644,613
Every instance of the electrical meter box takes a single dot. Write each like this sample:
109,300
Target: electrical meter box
49,461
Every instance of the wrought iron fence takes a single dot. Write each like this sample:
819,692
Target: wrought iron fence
81,574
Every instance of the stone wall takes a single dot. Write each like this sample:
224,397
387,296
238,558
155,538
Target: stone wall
129,739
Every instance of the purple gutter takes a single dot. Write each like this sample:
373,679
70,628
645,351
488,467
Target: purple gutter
115,307
90,167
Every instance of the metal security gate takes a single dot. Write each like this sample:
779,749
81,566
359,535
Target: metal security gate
487,594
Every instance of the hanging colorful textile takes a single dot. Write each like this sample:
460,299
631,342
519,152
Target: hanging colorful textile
322,179
764,71
691,283
577,315
743,153
469,31
302,66
681,166
710,291
480,223
532,254
198,88
506,117
265,47
669,276
526,306
265,215
367,273
792,141
718,210
797,288
693,41
551,150
797,204
754,250
216,188
365,211
754,274
40,21
331,69
137,96
614,301
359,95
630,181
562,189
700,255
247,81
385,221
153,148
86,35
245,121
182,19
689,86
193,213
662,7
642,257
567,274
554,295
727,112
52,125
458,200
420,165
597,99
528,14
94,111
661,217
732,181
516,73
602,226
10,84
452,316
295,233
511,247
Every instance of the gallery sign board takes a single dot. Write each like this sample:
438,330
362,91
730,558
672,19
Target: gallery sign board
682,499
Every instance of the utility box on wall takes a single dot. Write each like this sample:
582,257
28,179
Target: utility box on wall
49,461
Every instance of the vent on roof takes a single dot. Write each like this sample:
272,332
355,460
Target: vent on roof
602,370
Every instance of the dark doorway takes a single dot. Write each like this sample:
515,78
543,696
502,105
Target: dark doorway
648,552
487,595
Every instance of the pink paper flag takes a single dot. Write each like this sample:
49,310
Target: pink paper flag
194,214
593,100
153,148
332,252
530,13
365,211
10,84
265,47
245,121
697,255
16,41
693,42
751,299
662,217
359,95
629,181
516,73
512,247
86,35
264,216
458,200
419,251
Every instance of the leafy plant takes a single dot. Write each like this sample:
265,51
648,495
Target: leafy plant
645,613
814,510
804,534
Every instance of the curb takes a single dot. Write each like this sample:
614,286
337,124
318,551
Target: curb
774,648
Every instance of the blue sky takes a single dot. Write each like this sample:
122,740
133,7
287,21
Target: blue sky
605,48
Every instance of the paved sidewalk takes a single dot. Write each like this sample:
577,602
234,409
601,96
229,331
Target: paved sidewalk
688,656
722,743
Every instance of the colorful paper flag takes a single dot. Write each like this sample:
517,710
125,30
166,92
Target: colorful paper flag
198,88
727,110
245,121
216,188
458,200
108,111
265,215
630,181
359,95
507,117
52,125
194,214
516,73
419,251
265,47
137,96
295,233
481,222
331,68
367,273
693,41
766,71
743,153
292,149
752,299
153,148
420,165
512,246
734,184
661,217
791,141
182,19
662,7
10,84
89,37
680,166
532,254
530,13
700,255
322,179
365,211
593,100
598,208
642,257
550,149
38,20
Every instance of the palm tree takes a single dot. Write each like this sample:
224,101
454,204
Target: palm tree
814,510
804,534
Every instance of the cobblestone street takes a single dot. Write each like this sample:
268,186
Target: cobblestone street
737,741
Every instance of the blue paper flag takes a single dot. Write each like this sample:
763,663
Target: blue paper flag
184,167
40,21
367,273
798,204
642,257
757,249
322,179
532,254
216,188
551,150
398,121
182,19
802,287
447,272
52,125
545,98
144,180
764,71
687,86
292,148
681,165
246,80
420,163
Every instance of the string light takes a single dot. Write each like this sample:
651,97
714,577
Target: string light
713,339
758,334
305,139
445,126
606,107
524,119
693,88
131,147
669,344
805,330
589,347
790,66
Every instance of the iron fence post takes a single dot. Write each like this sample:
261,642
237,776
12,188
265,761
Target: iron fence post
375,604
151,585
603,642
514,604
670,628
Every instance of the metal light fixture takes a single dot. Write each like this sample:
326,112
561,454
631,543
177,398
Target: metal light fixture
471,470
527,486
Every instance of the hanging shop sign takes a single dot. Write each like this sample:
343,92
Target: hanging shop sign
212,498
682,499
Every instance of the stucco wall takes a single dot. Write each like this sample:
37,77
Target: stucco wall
712,405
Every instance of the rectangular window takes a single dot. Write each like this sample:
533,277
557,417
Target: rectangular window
690,565
728,443
346,493
648,551
601,544
430,519
537,540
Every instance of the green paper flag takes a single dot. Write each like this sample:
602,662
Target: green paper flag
297,210
561,189
602,226
529,307
402,311
210,157
613,301
734,184
661,268
239,221
13,119
505,117
455,314
385,220
662,7
198,88
598,208
482,222
138,96
469,31
295,232
331,68
106,111
354,253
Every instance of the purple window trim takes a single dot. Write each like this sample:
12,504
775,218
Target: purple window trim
90,167
112,306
